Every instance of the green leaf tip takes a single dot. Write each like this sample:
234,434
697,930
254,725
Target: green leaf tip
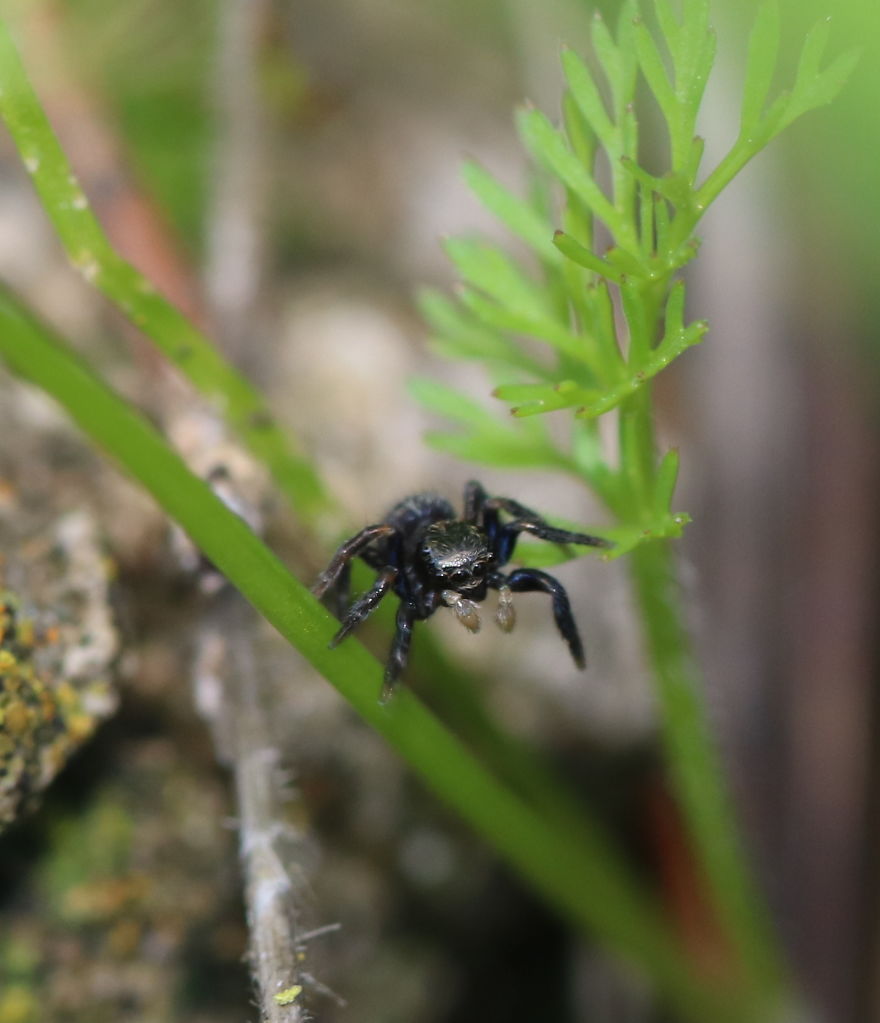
760,62
580,254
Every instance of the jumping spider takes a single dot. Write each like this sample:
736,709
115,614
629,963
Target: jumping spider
429,557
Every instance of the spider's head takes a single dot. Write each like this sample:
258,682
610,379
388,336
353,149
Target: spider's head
457,557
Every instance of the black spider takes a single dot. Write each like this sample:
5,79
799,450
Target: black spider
428,557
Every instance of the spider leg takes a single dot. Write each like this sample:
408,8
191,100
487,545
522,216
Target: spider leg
337,596
365,605
503,537
528,521
530,579
475,498
399,654
346,552
544,531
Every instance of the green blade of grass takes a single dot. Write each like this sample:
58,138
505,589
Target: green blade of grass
577,873
90,251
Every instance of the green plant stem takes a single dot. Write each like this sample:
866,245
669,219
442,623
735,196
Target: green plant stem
694,764
742,151
91,253
456,696
577,873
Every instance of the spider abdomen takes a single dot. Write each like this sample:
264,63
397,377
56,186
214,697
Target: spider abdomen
415,513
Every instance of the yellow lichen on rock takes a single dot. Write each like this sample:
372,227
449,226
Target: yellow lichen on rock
57,642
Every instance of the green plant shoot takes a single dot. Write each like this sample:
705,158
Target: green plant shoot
608,306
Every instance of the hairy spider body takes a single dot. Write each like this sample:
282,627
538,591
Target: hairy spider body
428,557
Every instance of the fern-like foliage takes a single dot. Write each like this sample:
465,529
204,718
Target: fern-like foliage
607,303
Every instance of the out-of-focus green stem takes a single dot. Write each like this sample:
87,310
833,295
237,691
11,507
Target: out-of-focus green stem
179,340
694,763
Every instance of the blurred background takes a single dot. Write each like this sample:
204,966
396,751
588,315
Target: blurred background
284,172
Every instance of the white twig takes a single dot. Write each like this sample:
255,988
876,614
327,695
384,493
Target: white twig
235,249
243,728
229,682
